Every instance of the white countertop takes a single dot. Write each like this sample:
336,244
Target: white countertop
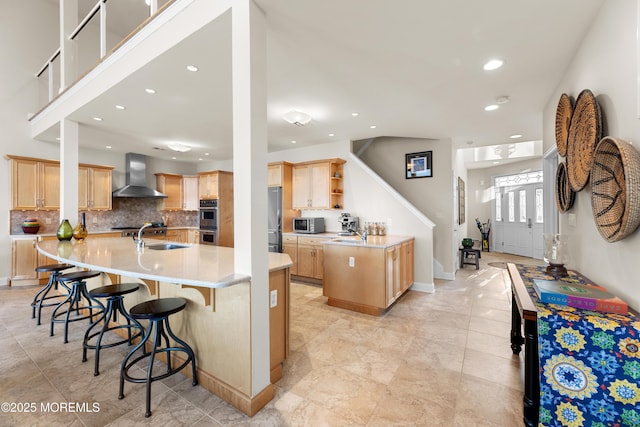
197,265
371,242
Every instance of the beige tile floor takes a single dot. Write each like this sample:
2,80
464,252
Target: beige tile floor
440,359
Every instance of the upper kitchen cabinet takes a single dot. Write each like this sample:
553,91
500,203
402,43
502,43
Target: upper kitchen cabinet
171,185
35,184
318,184
190,196
208,185
94,187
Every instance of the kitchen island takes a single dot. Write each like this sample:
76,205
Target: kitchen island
216,322
367,276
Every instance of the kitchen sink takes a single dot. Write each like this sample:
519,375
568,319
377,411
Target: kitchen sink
353,241
166,246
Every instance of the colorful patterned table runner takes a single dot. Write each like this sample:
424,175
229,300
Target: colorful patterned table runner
589,362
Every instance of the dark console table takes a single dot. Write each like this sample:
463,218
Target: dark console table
581,367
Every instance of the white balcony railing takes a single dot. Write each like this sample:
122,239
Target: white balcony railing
99,32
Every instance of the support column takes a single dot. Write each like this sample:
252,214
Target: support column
248,39
69,141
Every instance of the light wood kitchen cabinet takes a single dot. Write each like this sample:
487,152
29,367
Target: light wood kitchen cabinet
183,235
310,257
190,196
290,247
219,185
318,185
94,187
171,185
35,184
280,175
208,185
368,278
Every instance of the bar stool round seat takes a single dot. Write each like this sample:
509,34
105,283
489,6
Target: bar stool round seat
157,312
115,305
43,295
71,304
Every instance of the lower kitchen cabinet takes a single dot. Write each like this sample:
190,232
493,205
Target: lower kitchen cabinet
290,247
310,257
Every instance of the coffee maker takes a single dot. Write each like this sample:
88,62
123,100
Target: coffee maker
349,224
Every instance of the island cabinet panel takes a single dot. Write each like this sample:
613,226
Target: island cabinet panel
290,247
94,187
171,185
369,277
317,185
35,184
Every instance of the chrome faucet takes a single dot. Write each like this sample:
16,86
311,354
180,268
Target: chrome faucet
139,241
362,235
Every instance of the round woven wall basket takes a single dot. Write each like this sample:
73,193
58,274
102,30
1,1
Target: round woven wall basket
563,122
565,196
584,133
615,188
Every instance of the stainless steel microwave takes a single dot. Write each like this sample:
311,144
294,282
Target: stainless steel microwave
308,225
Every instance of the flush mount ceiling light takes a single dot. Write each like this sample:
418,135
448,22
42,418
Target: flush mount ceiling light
297,118
180,148
494,64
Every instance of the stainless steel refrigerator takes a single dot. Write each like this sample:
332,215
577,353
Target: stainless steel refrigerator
275,219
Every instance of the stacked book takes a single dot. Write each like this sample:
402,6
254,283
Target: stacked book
587,297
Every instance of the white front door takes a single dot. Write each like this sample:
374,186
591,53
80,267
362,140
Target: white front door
518,226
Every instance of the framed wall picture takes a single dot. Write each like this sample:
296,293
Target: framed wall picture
461,207
419,165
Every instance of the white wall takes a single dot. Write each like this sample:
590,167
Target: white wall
606,64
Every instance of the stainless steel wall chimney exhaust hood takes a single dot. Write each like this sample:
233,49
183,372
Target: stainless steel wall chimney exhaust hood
136,179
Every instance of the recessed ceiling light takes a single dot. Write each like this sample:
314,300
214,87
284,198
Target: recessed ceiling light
199,158
192,68
494,64
173,158
206,154
372,126
176,146
107,146
293,142
331,134
491,107
120,107
355,114
97,119
57,138
517,135
496,163
150,90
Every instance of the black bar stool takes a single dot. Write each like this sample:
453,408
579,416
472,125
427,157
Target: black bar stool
157,312
115,295
43,294
77,293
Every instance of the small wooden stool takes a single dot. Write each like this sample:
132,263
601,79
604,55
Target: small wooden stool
465,253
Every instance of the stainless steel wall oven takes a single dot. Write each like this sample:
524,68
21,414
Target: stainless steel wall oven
208,221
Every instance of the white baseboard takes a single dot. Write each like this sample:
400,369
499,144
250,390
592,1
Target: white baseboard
423,287
4,281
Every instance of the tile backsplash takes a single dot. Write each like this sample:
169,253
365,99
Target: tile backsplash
124,213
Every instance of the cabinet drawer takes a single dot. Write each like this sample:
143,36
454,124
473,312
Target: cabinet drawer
312,240
290,239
